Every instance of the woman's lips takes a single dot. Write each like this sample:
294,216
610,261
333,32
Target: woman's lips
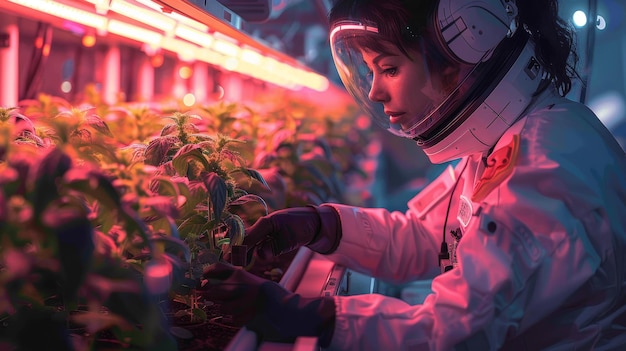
394,117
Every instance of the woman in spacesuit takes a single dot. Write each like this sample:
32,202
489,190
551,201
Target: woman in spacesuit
525,238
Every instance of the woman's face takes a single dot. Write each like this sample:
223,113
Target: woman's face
405,86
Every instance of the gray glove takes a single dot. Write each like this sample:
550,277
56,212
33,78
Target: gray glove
282,231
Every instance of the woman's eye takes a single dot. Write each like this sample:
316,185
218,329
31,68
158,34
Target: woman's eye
390,71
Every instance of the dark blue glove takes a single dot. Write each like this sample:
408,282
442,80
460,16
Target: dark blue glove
285,230
267,308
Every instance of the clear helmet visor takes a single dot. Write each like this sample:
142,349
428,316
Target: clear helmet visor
409,102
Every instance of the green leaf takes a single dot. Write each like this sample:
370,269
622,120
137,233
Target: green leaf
158,149
223,241
53,166
187,154
95,185
191,128
171,128
236,229
98,124
250,179
174,246
105,221
166,186
133,225
82,136
195,193
199,314
257,176
75,238
163,225
217,189
323,143
163,206
249,208
232,156
14,178
202,139
195,225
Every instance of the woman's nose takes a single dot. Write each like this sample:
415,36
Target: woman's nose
377,92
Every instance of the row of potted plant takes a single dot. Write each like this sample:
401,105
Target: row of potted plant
110,213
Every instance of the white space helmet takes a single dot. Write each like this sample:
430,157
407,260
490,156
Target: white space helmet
494,72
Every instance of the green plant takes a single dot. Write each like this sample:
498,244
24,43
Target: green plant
205,174
134,123
73,245
45,106
16,128
318,157
160,193
58,267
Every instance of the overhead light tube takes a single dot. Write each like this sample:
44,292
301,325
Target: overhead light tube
67,12
147,16
137,33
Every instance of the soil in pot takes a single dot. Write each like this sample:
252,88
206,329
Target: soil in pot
212,334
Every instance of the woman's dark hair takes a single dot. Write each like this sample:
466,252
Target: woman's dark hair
401,20
397,21
554,40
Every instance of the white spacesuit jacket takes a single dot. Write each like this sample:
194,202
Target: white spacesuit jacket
541,264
